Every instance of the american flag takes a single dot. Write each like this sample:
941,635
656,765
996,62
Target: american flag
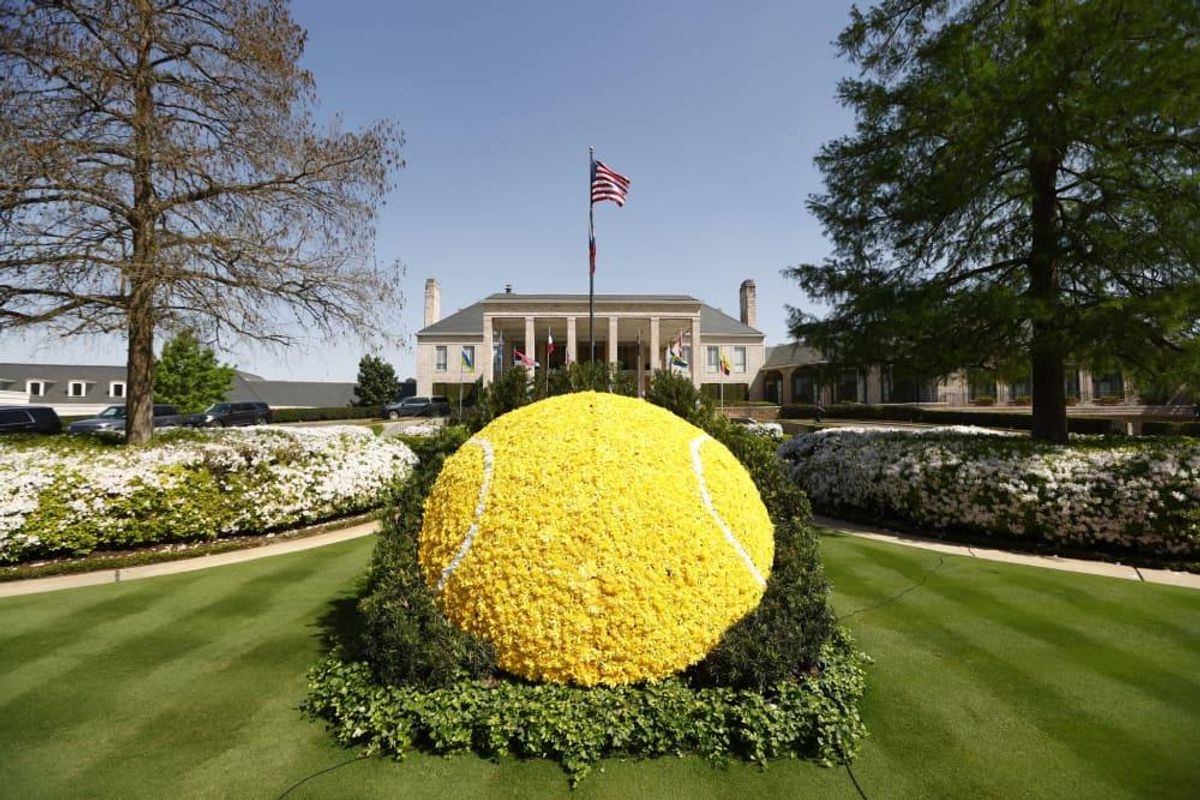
608,185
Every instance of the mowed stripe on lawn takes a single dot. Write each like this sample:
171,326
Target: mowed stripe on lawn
996,681
162,676
990,680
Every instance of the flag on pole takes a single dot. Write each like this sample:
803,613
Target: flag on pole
725,368
468,360
549,344
607,184
520,358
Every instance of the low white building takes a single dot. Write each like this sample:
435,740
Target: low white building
632,331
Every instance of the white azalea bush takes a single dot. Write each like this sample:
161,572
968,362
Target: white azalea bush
1141,496
72,497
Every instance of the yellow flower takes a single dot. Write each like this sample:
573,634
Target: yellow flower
593,538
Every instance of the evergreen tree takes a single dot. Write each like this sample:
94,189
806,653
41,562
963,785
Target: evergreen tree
377,382
1021,190
189,376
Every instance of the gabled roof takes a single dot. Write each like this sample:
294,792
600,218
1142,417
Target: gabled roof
469,320
714,321
793,354
246,386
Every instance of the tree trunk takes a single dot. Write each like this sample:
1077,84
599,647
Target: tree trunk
1048,351
139,395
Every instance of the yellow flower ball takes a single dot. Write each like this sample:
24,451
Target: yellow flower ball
595,539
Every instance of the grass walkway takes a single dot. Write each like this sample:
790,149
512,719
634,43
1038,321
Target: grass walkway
991,680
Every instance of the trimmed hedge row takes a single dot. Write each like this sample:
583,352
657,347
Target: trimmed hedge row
319,414
939,416
1125,497
71,495
1161,428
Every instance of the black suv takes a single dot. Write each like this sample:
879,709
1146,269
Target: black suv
29,419
436,406
226,415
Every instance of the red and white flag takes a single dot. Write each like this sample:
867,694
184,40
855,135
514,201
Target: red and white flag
607,184
549,344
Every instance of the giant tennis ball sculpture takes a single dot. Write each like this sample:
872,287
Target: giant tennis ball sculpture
595,539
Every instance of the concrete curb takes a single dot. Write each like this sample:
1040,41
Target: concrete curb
59,582
1106,569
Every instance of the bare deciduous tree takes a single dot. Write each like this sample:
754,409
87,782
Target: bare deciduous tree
160,166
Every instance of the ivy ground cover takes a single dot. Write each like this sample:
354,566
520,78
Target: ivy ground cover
990,681
70,496
1121,497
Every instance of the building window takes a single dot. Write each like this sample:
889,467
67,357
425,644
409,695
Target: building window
712,358
36,388
116,389
468,358
439,359
847,386
687,353
1108,387
981,387
77,389
1020,391
1071,383
804,387
739,359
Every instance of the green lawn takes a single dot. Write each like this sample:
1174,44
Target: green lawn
990,680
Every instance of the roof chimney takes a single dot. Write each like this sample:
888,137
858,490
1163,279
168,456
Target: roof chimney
749,303
433,302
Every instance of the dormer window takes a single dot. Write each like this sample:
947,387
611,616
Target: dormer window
36,388
116,389
77,389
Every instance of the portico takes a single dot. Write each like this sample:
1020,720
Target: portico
632,332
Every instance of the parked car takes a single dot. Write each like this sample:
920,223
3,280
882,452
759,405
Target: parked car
29,419
112,420
436,406
228,415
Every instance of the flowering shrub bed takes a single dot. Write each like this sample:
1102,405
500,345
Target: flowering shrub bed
75,496
1140,498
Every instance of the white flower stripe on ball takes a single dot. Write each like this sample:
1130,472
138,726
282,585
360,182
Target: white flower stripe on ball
489,463
698,469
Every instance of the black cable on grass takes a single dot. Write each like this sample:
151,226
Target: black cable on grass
319,773
898,595
854,780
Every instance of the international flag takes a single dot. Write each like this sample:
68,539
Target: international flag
468,360
725,368
520,359
607,184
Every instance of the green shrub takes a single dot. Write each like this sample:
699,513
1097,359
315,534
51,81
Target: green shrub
321,414
406,638
677,394
813,718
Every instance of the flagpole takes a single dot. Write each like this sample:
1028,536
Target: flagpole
548,334
460,383
591,256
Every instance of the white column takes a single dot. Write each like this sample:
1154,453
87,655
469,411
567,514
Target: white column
655,360
572,352
697,354
484,358
529,347
612,340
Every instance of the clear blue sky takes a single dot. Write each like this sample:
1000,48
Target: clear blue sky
713,109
